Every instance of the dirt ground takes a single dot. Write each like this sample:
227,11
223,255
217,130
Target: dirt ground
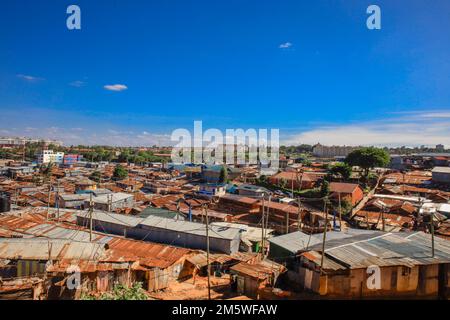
188,290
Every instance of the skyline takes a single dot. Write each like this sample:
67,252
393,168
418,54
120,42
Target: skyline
135,72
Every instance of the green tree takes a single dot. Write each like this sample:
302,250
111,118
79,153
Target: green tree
341,169
96,176
283,183
325,188
223,176
368,158
120,172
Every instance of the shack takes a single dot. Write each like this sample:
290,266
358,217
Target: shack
248,279
163,230
392,265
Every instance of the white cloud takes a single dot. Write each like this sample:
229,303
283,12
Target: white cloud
115,87
424,130
77,84
29,78
285,45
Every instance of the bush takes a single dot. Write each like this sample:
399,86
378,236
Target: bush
120,292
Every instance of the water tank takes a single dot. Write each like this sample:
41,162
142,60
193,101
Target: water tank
5,203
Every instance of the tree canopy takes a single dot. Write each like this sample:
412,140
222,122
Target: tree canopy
120,172
223,177
368,158
341,169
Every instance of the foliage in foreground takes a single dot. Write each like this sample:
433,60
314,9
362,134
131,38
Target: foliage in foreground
120,292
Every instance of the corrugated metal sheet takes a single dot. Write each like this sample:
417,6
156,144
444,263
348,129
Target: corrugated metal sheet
400,249
149,254
39,249
119,219
299,241
261,270
221,232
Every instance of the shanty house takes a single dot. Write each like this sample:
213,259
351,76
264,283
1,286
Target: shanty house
111,202
441,175
169,231
72,200
385,266
350,192
248,279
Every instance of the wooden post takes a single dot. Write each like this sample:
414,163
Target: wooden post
287,222
262,227
266,223
340,212
90,217
57,198
324,236
48,201
205,207
432,232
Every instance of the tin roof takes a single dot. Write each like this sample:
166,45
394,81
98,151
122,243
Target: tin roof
441,170
221,232
300,241
260,270
43,249
388,249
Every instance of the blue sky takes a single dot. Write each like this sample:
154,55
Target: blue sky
310,68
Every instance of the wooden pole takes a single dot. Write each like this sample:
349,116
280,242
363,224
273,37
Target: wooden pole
324,236
432,232
287,222
90,217
266,224
48,201
262,228
340,212
205,207
57,198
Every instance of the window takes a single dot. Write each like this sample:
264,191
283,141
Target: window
406,271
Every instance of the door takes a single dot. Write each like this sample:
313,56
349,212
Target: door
240,285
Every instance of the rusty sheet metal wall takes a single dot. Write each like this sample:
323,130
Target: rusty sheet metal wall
157,279
27,268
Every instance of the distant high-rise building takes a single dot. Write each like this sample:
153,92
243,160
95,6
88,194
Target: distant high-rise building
332,151
20,141
47,156
440,147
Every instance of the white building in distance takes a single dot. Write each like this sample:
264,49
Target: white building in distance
47,156
322,151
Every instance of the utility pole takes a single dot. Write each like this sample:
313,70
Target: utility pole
57,198
110,198
205,208
382,218
324,236
267,223
24,148
287,222
432,230
90,216
262,228
340,212
48,201
292,187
